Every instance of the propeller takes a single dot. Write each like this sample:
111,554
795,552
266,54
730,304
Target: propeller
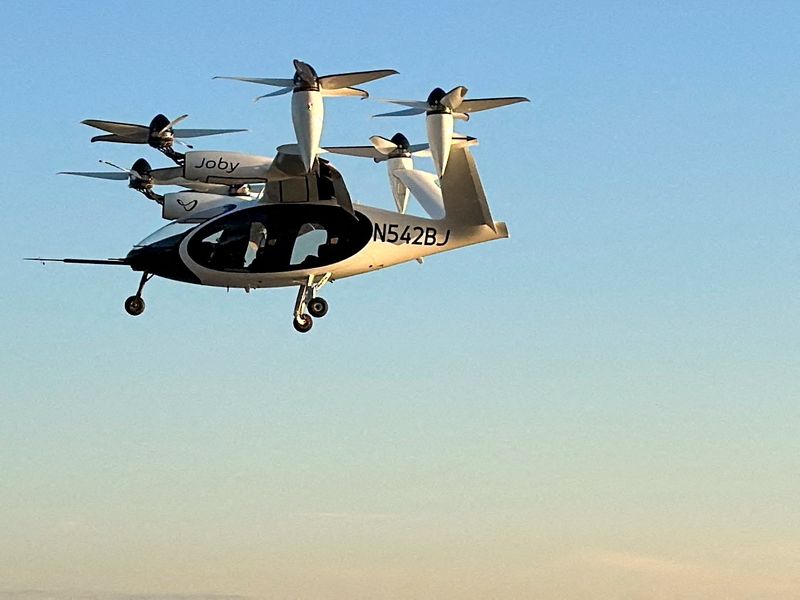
397,152
382,149
159,134
308,89
305,79
139,176
440,108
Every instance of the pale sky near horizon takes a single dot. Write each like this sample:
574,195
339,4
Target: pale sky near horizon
606,405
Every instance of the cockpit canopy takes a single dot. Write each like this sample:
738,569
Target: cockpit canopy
181,226
270,238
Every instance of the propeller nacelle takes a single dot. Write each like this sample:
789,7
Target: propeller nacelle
140,176
435,97
305,77
160,132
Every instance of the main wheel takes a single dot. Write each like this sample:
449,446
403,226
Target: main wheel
134,305
318,307
303,323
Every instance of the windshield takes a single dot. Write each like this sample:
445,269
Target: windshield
181,226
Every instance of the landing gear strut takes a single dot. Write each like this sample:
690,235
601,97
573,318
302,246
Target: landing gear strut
134,305
307,300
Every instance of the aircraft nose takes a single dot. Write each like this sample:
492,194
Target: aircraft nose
162,260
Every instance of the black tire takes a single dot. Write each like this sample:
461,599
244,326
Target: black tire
318,307
303,323
134,305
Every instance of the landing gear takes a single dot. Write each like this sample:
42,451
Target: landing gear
307,300
134,305
318,307
303,323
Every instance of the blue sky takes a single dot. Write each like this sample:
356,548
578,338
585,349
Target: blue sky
604,405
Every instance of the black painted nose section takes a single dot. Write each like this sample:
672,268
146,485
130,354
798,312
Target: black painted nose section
162,259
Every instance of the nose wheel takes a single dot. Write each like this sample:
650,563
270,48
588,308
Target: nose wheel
307,299
134,305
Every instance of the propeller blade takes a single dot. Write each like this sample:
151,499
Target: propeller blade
167,175
119,176
402,113
383,145
360,151
418,149
173,123
192,133
421,104
261,80
454,97
342,80
471,106
126,130
113,137
184,144
110,164
347,91
279,92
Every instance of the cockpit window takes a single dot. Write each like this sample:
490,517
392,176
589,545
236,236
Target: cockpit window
181,226
310,238
275,238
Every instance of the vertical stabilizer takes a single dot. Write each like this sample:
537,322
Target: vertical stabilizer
462,191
